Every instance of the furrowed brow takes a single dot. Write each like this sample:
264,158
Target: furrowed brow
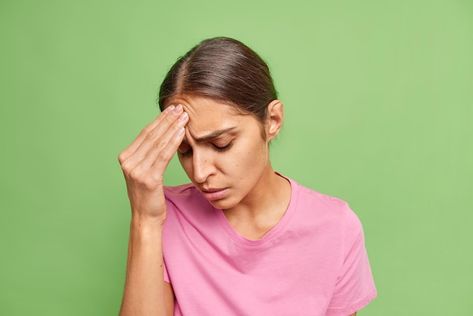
213,134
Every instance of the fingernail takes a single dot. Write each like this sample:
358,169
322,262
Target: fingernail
183,116
178,108
170,108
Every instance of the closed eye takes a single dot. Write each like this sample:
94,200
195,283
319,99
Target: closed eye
217,148
220,148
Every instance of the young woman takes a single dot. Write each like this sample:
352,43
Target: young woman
240,238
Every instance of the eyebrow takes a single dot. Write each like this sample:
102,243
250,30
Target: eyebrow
213,134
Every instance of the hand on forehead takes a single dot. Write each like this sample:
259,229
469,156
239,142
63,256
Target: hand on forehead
207,118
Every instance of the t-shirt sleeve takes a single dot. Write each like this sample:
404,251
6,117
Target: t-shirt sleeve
355,286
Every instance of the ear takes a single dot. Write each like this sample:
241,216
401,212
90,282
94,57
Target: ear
274,120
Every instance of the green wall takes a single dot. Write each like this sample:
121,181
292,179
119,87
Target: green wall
379,108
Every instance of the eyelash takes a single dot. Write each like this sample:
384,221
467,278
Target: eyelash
226,147
217,148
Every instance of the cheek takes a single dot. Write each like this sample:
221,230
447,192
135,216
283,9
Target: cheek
248,155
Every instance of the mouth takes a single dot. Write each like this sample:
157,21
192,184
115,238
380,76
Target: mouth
213,190
215,194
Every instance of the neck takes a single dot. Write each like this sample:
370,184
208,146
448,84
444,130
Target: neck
264,204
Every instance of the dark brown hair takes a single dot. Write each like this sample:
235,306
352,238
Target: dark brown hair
225,70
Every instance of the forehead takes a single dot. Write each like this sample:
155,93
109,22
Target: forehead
207,115
198,105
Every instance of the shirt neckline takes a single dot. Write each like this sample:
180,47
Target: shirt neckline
275,231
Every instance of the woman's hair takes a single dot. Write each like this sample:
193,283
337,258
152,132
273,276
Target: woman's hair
225,70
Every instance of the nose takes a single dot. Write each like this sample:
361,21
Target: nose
203,166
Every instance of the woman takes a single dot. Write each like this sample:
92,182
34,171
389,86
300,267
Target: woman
241,238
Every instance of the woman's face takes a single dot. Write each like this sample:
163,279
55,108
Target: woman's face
234,157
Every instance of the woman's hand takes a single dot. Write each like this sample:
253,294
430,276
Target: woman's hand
143,163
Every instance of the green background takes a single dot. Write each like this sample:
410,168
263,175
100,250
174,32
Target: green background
378,102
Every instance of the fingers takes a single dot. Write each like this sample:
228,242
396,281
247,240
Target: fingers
131,149
162,157
161,153
153,136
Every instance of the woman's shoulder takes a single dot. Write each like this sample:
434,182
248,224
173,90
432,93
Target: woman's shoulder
332,206
309,194
185,197
178,190
181,193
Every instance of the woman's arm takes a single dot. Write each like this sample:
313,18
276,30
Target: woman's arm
144,287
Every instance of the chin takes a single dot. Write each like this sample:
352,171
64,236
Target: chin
223,204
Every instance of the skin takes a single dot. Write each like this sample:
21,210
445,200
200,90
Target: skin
257,197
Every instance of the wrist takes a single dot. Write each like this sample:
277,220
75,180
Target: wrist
143,222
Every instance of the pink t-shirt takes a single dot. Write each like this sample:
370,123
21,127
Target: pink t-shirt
312,263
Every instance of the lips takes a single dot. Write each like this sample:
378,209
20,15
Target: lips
212,190
216,194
